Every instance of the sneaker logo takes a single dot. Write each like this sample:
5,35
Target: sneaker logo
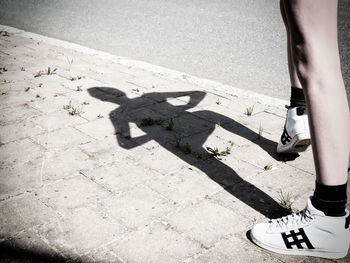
285,138
296,239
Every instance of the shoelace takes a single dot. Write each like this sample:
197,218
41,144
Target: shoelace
292,220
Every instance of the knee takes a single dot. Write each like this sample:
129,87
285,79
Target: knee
314,65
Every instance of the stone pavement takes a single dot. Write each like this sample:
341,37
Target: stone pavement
101,162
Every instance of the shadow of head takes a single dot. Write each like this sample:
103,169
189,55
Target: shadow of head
106,94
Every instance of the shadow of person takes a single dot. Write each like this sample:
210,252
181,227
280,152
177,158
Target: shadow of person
219,172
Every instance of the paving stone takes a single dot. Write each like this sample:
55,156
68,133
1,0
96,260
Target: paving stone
57,120
238,249
159,243
16,179
217,114
19,152
304,162
183,187
188,124
67,232
56,165
286,180
15,76
270,125
17,113
62,138
163,160
151,80
218,171
21,130
98,129
22,212
110,150
62,195
118,178
206,222
101,254
260,154
11,96
200,142
28,246
137,207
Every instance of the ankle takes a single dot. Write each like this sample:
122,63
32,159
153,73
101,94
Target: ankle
330,199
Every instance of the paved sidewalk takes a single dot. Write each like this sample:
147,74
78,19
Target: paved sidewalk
101,162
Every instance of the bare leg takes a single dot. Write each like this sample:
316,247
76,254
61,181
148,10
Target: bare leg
314,46
322,228
294,80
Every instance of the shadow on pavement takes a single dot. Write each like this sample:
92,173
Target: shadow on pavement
16,253
215,169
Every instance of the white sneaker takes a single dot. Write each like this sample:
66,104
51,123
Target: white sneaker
296,134
309,232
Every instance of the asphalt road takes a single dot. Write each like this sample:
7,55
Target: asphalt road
236,42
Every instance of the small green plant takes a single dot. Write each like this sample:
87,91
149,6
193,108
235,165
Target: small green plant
47,72
76,78
218,154
86,103
149,122
70,62
4,93
75,111
186,148
286,201
249,110
4,33
261,129
39,74
51,72
170,125
177,143
37,96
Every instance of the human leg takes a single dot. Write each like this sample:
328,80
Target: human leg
322,229
296,135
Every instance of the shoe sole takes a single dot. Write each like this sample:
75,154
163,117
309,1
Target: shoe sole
303,252
299,143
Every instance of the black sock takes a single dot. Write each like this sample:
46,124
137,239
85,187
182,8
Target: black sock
330,199
297,97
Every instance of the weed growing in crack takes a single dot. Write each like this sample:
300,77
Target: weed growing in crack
261,129
4,33
170,125
149,122
73,110
249,110
70,62
286,201
219,154
49,71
